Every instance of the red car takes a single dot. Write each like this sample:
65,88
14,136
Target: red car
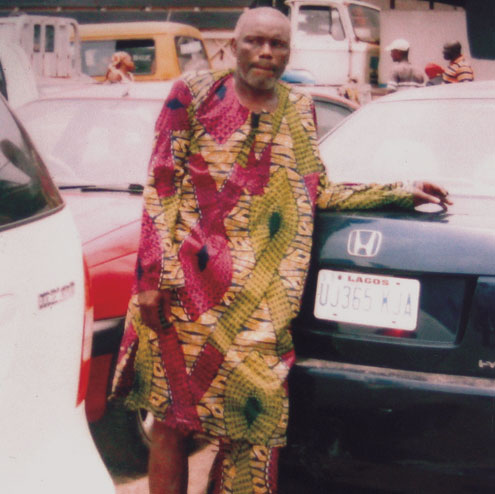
97,141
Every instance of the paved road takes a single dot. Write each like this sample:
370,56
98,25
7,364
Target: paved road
129,471
199,466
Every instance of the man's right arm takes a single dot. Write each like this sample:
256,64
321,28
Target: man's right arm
158,269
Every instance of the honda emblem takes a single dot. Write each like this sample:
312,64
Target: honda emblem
364,243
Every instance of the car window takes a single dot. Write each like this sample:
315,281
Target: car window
320,20
97,55
191,54
365,22
99,142
329,114
26,190
431,140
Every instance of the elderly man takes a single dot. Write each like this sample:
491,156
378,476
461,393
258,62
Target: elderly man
458,70
234,180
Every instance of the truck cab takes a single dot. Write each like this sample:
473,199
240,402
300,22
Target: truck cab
38,54
336,41
17,80
51,43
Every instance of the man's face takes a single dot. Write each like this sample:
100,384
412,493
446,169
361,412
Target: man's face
397,55
447,53
262,51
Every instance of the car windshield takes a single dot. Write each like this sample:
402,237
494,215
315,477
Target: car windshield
329,114
96,142
449,142
365,22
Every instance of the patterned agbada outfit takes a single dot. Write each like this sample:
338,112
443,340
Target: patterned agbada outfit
227,228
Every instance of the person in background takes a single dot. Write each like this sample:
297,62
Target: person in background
404,75
350,91
458,70
434,73
234,179
120,68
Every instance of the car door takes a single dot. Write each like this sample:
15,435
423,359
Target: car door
42,313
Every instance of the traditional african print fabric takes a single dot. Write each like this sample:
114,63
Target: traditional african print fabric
227,228
240,467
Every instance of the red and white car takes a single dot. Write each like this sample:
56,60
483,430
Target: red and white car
97,142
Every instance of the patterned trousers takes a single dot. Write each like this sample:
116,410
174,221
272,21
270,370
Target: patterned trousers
243,468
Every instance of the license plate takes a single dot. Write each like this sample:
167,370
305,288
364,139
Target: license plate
368,300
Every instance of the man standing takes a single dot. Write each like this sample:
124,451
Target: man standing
404,75
458,70
234,180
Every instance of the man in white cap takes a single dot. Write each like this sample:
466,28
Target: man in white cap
404,75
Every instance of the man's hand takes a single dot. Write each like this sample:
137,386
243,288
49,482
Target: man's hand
424,192
155,308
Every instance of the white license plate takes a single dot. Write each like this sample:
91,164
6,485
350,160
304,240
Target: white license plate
369,300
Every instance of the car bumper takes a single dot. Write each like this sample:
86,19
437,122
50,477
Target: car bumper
107,335
399,429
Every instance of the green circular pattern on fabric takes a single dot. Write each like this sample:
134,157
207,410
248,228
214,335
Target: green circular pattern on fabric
253,401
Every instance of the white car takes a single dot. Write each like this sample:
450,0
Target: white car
45,332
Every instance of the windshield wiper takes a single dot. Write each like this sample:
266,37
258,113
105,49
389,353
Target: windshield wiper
130,188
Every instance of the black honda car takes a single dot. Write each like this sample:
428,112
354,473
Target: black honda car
394,387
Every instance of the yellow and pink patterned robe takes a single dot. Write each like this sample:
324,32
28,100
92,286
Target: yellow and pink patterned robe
227,227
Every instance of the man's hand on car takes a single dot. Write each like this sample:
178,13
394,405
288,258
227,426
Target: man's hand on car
425,192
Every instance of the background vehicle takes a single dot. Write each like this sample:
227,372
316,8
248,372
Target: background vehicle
330,108
17,79
335,40
101,168
97,142
51,43
395,381
45,329
160,50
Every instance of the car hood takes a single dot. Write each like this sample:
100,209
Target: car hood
460,240
98,214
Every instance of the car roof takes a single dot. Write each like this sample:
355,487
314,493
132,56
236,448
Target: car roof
160,90
136,28
325,92
466,90
93,90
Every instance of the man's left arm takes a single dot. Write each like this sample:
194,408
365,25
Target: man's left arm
372,196
342,196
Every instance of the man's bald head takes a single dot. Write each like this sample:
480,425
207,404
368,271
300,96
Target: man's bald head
252,16
261,47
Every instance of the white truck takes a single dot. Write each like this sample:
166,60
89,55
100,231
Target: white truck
17,79
52,50
334,42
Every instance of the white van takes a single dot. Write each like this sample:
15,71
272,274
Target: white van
45,332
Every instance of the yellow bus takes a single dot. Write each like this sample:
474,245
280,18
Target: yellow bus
160,50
